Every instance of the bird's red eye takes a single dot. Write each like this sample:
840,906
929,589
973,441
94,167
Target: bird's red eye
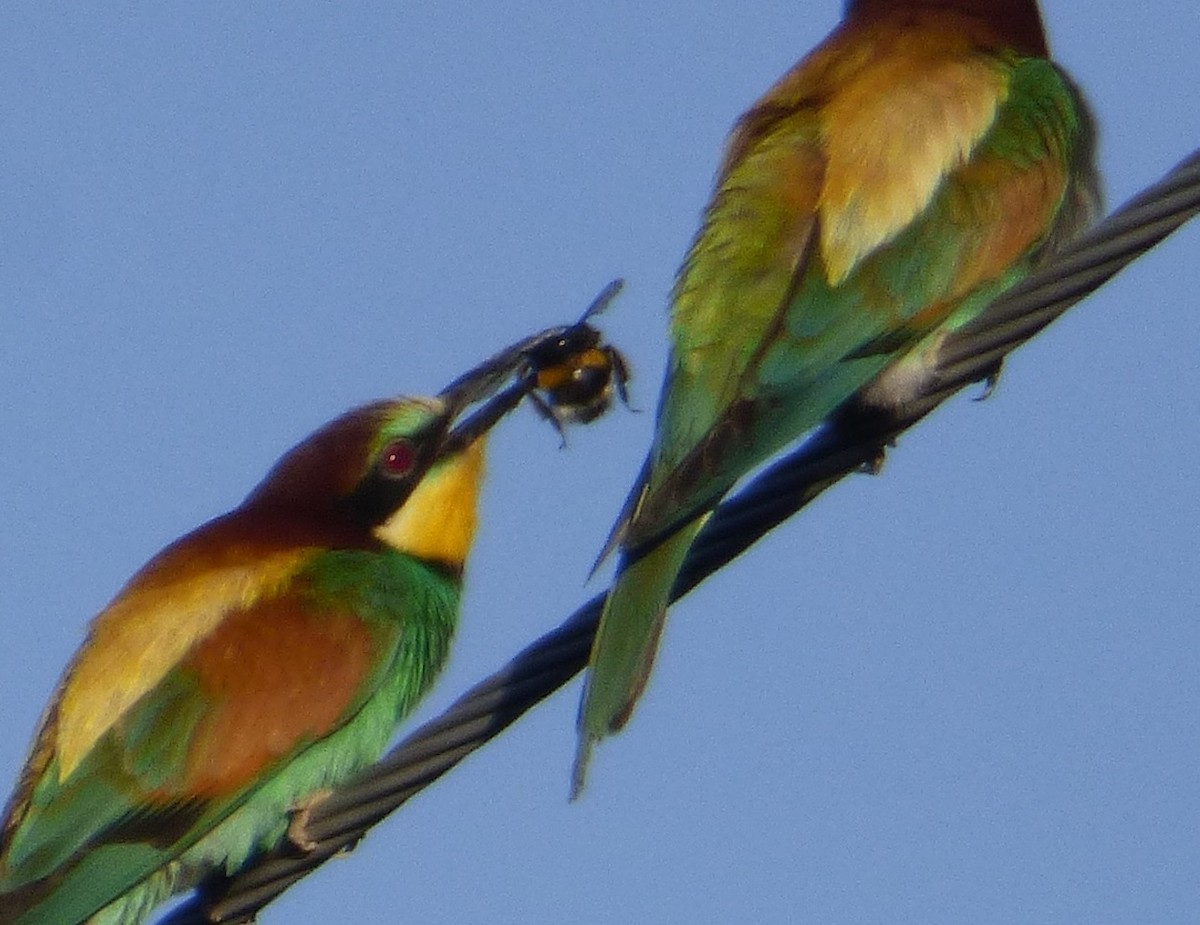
398,458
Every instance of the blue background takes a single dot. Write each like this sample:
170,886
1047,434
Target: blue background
965,690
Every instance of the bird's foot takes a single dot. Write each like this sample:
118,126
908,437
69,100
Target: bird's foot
301,814
874,465
990,380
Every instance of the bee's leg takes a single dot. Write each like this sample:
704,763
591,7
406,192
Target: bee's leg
620,377
545,411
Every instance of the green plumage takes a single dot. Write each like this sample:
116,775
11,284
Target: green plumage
768,339
309,633
412,610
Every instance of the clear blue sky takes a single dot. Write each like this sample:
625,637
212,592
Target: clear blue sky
964,691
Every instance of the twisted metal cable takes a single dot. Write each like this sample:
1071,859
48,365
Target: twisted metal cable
853,440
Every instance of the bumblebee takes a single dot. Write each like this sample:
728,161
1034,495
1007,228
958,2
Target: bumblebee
571,374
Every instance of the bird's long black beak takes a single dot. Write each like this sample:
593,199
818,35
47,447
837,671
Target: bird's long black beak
479,421
484,380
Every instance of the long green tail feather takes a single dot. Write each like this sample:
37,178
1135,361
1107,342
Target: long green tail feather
626,643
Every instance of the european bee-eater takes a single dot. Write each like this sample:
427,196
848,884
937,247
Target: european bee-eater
921,160
248,666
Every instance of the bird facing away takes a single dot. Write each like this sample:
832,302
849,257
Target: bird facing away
247,667
922,159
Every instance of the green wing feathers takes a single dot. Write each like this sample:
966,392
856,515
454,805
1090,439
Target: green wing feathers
807,280
282,698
